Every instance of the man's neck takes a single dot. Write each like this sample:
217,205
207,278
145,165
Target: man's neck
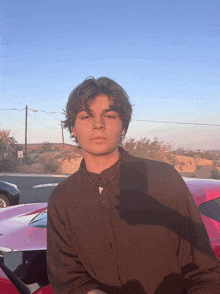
96,164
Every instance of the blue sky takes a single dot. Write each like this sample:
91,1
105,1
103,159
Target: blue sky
166,55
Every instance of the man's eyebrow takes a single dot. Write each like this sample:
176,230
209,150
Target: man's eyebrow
108,109
104,110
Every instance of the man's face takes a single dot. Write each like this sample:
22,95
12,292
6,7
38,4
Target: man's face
102,123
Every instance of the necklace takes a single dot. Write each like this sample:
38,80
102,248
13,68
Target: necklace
100,187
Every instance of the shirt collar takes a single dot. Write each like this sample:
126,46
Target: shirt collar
106,174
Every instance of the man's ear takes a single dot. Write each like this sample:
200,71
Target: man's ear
74,131
123,132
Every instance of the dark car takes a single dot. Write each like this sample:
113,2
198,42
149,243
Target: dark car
9,194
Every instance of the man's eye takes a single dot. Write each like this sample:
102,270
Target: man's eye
110,116
85,117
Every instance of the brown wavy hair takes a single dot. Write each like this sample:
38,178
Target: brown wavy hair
87,91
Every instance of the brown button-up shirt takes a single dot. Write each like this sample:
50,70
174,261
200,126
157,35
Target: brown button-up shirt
142,235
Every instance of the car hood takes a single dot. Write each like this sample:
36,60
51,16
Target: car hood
203,190
9,187
14,225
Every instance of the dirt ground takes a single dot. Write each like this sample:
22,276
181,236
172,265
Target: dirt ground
71,166
186,164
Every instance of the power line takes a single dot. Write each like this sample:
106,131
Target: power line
14,109
167,122
34,110
42,124
179,123
152,121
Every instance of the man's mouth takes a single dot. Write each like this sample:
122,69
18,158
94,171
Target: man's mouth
98,138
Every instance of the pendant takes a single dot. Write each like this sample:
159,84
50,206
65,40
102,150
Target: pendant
100,190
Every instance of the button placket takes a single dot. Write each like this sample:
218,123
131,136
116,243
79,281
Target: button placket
104,200
102,195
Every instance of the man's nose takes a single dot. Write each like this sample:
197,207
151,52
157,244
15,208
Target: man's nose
99,123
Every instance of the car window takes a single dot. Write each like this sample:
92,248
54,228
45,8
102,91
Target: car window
211,209
40,221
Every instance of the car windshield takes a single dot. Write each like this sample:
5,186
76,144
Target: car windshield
211,209
40,221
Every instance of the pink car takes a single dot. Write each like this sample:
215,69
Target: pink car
26,225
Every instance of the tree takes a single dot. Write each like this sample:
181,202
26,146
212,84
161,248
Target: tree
8,151
156,150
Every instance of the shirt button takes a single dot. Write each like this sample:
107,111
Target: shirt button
103,202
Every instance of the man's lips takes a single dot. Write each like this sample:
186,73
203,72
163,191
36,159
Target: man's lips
97,138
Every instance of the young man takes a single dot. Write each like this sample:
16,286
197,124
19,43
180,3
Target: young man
123,224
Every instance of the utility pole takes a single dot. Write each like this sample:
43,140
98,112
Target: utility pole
62,135
25,154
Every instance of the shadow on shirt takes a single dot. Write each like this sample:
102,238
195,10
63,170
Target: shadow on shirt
173,283
135,207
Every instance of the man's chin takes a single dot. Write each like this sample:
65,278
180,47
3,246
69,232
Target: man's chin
100,151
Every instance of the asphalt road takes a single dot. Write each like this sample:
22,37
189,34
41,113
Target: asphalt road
29,194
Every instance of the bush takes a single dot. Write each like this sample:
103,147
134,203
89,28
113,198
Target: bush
156,150
34,168
50,163
8,152
207,172
47,163
215,174
203,171
8,165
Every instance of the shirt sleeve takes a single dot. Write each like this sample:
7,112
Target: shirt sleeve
198,262
66,273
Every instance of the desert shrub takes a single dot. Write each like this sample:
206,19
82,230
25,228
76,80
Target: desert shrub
203,171
46,163
215,174
8,152
207,172
50,163
69,153
155,149
47,146
34,168
8,165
